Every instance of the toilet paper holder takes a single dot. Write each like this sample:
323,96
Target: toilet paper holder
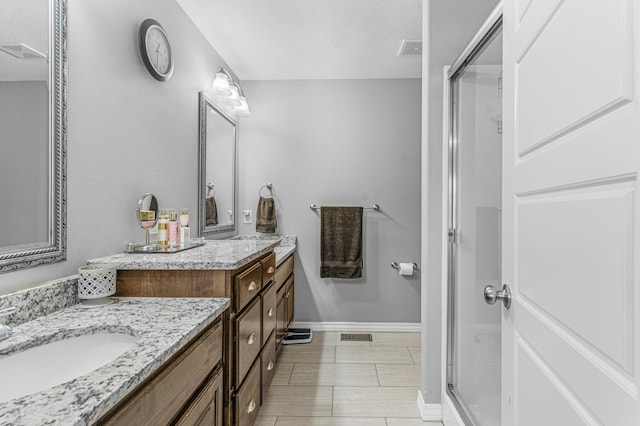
396,265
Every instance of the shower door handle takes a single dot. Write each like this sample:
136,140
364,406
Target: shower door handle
491,296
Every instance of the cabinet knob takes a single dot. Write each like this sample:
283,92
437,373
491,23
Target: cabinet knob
270,270
270,366
252,339
252,406
252,286
270,313
286,295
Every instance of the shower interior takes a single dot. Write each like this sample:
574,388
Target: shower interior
474,224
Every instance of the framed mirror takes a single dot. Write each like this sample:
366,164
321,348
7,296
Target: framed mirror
33,81
217,179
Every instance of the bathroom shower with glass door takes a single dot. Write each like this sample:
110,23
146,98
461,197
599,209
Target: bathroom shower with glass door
474,227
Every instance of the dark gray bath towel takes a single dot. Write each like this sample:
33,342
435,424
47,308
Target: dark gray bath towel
211,213
340,242
266,215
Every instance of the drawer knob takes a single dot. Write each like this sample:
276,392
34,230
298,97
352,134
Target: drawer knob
252,339
270,270
270,313
252,406
286,295
252,286
270,366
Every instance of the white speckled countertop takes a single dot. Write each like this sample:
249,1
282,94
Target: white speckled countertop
214,255
162,325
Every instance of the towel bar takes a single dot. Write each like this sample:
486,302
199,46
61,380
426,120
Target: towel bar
375,207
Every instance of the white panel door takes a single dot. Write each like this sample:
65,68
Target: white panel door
571,157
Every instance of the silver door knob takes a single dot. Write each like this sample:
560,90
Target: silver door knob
491,296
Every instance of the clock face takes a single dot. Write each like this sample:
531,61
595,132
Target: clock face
155,50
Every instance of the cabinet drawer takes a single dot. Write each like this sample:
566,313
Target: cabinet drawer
247,285
247,401
249,339
284,270
268,359
269,310
158,400
268,268
206,408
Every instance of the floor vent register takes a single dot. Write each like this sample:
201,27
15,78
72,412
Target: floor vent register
297,335
345,337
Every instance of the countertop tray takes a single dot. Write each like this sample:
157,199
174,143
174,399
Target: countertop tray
158,248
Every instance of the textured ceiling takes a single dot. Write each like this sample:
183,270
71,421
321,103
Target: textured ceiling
311,39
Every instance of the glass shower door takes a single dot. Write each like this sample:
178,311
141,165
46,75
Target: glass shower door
475,195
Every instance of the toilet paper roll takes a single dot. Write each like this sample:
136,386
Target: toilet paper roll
406,269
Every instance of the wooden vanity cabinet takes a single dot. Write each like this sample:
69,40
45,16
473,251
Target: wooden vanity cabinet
187,389
253,324
284,299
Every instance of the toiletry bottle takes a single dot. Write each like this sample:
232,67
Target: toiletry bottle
163,222
185,231
173,227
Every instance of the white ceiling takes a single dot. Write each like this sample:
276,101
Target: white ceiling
311,39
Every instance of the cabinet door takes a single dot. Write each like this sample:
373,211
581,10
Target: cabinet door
207,406
290,300
281,317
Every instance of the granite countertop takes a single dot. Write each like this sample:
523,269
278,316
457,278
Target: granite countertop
285,247
213,255
162,326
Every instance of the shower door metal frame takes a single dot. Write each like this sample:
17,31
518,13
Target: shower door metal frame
488,31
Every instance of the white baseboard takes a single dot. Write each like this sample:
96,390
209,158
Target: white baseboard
429,412
392,327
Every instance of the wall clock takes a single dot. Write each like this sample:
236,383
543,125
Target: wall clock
155,49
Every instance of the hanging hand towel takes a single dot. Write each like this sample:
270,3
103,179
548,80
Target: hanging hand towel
340,242
266,215
211,211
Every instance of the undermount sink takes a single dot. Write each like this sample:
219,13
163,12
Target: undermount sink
42,367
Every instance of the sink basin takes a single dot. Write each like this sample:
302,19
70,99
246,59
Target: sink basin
42,367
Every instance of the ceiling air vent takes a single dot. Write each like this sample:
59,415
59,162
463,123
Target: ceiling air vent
21,51
410,47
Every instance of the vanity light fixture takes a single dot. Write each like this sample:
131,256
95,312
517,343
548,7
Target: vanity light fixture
229,93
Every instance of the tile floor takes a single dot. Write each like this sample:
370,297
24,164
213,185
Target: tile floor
332,383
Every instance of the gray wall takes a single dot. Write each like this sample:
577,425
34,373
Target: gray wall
127,133
24,170
448,26
340,142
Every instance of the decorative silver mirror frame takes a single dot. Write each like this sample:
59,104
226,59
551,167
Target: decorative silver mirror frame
217,231
56,249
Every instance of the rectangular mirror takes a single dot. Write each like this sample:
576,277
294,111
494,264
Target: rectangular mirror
33,125
217,161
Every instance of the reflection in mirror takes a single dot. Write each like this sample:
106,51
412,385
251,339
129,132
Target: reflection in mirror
33,125
147,213
217,183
